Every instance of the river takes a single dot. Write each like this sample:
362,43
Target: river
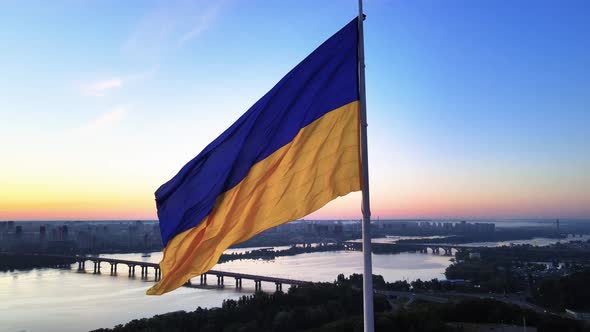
66,300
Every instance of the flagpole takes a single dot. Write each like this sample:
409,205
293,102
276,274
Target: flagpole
366,210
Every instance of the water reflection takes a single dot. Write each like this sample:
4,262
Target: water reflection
65,300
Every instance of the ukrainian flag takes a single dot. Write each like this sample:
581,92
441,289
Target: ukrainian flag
291,153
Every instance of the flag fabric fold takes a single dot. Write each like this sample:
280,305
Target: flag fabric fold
292,152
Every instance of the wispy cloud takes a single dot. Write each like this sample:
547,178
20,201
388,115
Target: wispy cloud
103,121
170,25
109,118
104,86
200,24
100,88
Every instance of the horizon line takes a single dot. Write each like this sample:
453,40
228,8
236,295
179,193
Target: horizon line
439,219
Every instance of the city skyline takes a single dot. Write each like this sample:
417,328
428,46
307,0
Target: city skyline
479,114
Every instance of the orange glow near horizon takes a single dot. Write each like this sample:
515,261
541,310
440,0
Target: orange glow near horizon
100,205
79,209
111,201
73,201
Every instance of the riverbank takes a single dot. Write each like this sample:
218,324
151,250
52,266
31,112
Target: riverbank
337,306
271,253
11,262
61,299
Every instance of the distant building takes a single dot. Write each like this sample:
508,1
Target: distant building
432,227
81,236
317,227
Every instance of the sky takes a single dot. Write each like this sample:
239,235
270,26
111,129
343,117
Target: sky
476,109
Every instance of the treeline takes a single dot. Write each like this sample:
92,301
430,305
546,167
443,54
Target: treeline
318,307
481,311
272,254
508,269
385,248
488,311
356,280
497,236
570,292
10,262
526,252
269,238
311,307
490,275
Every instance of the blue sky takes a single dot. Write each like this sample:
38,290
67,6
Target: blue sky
477,109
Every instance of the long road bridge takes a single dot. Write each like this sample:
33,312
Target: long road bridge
145,266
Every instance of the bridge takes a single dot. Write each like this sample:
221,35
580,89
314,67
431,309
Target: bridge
435,248
572,235
146,266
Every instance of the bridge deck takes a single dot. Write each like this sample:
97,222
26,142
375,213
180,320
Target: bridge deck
212,272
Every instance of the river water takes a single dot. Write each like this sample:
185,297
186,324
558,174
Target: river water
67,300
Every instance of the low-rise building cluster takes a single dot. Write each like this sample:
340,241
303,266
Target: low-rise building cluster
79,236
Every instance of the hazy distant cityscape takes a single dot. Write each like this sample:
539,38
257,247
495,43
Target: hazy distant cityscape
133,236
